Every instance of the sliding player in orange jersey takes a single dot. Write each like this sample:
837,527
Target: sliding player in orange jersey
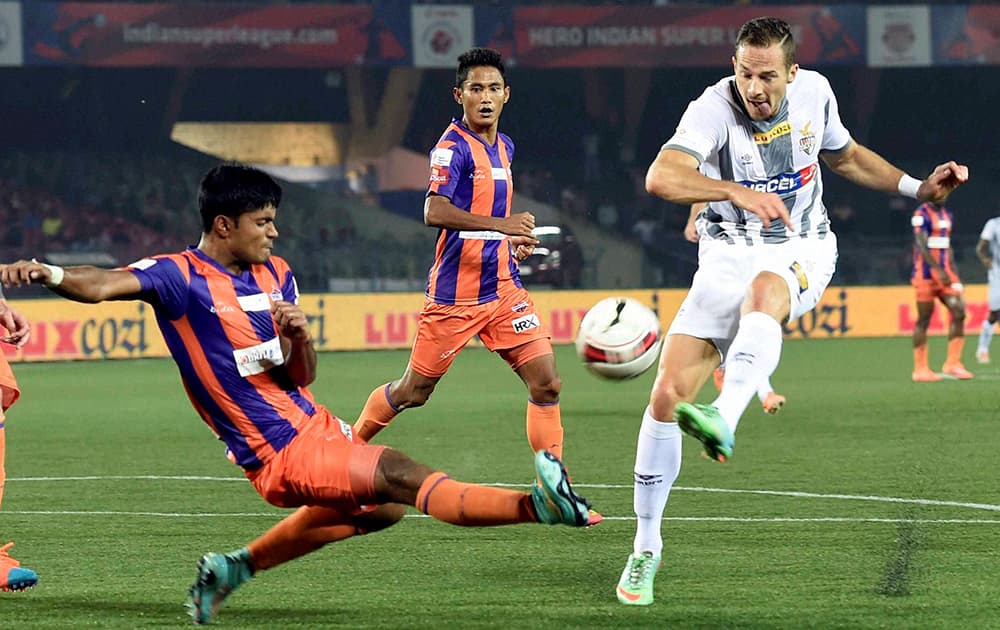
228,311
474,287
13,577
935,277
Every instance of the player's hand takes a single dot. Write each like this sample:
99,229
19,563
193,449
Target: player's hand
691,232
767,206
18,329
940,183
519,224
523,246
24,272
291,320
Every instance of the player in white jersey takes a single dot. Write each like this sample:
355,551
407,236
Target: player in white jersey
750,147
988,251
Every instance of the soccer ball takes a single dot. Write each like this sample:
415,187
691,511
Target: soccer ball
619,338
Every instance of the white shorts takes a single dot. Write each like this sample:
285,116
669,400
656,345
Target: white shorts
711,309
994,289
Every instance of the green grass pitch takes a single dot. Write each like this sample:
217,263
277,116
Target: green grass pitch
869,502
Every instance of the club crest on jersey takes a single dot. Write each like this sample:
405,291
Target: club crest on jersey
808,140
276,296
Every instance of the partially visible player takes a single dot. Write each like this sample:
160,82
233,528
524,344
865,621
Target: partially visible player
770,401
988,251
13,577
936,277
474,287
228,313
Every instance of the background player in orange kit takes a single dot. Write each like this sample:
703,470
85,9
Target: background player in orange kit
228,311
473,287
13,577
935,277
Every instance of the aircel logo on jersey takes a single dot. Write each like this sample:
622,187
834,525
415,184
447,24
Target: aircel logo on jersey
523,324
785,182
259,358
482,235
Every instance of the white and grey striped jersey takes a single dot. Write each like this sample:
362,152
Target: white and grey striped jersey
991,234
779,155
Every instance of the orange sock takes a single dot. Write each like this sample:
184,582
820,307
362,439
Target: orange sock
473,505
920,358
545,430
955,345
376,415
305,530
3,449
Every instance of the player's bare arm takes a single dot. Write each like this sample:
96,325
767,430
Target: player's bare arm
16,324
674,176
984,255
82,283
866,168
440,213
690,228
296,341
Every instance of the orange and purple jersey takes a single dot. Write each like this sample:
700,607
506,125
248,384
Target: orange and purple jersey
220,332
471,265
935,222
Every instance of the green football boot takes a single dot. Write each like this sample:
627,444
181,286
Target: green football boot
635,588
218,576
704,423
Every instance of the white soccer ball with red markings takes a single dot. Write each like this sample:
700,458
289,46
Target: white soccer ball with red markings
619,338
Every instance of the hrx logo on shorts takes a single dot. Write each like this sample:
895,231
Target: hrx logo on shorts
522,324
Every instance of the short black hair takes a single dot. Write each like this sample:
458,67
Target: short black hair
477,57
232,189
762,32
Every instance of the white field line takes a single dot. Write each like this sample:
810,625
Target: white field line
782,493
694,519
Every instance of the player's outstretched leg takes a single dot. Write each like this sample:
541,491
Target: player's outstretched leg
218,576
14,577
553,498
635,588
705,424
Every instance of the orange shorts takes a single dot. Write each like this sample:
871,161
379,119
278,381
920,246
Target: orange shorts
9,391
505,323
928,289
321,466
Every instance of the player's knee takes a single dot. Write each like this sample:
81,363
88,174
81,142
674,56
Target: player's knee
412,395
546,391
665,396
382,517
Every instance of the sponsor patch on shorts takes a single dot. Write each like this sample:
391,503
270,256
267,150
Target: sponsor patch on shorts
526,323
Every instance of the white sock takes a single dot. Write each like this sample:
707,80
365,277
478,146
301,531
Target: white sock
657,463
764,389
751,360
985,336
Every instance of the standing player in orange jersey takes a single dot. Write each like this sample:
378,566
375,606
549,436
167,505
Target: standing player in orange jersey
228,311
473,287
935,277
13,577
